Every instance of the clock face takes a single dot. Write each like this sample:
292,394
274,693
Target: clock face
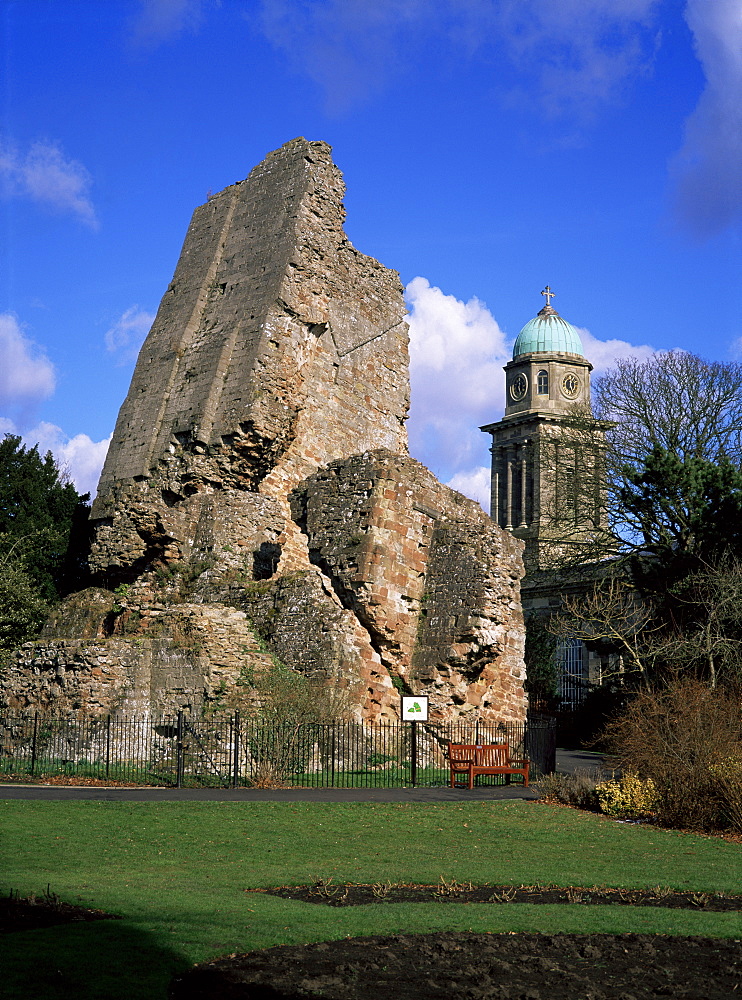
570,385
519,386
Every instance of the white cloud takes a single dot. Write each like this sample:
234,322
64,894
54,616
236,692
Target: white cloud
26,373
575,53
474,484
580,53
457,353
83,459
44,174
349,49
79,457
127,334
708,168
27,378
158,21
603,354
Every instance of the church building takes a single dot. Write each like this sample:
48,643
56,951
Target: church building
547,486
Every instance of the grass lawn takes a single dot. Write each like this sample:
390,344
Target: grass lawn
177,873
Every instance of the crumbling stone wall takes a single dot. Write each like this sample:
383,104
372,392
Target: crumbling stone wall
103,653
258,498
429,576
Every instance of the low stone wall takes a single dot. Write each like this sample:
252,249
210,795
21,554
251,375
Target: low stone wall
146,658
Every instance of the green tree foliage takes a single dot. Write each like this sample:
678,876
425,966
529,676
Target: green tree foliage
39,512
686,512
22,610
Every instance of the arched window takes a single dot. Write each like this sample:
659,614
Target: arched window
543,383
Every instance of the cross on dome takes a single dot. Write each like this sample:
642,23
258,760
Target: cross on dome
547,332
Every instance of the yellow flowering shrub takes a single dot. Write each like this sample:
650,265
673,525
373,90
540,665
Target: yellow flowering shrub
627,797
729,767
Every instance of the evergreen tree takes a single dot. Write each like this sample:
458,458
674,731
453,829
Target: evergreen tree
22,612
38,509
687,513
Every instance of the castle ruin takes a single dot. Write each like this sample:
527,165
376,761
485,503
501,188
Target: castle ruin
258,499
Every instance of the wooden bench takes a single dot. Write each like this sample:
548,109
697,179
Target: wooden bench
487,758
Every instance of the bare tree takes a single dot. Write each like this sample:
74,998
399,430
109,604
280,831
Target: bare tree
708,639
612,614
652,499
675,401
704,635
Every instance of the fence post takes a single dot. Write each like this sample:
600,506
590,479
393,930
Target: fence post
413,753
230,760
108,745
236,762
33,742
179,752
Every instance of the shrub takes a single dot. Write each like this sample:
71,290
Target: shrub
576,789
267,774
629,796
727,776
683,738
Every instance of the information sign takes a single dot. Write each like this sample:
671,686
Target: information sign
415,708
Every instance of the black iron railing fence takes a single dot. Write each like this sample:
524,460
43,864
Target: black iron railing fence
229,750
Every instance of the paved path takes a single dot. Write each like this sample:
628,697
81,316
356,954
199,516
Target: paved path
567,760
570,761
99,794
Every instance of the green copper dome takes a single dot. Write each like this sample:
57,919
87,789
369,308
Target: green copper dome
549,333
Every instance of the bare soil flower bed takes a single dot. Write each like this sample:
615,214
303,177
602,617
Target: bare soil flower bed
476,967
471,966
480,966
328,894
35,912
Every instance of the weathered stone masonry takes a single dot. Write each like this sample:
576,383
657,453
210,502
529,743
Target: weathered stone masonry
258,495
428,575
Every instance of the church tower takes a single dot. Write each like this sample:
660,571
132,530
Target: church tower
547,451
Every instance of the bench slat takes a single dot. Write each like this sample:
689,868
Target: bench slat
491,758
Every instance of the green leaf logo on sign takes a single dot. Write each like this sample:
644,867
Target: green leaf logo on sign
415,708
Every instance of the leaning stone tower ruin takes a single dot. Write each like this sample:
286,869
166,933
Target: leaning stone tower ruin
258,500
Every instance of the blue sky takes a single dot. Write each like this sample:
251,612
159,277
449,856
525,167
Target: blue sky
489,147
